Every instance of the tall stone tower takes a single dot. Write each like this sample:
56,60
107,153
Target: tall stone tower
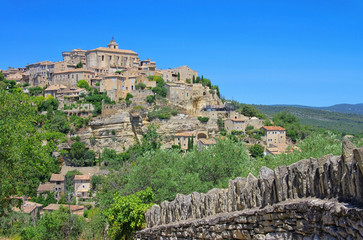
112,44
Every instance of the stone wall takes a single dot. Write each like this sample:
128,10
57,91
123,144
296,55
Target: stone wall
338,177
294,219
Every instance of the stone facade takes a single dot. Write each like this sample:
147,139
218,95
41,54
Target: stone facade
234,125
338,178
274,135
70,78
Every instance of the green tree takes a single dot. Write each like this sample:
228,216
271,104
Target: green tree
257,151
25,150
79,65
126,214
69,184
140,86
150,99
178,76
59,224
35,91
77,154
83,84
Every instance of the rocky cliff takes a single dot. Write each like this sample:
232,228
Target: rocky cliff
339,178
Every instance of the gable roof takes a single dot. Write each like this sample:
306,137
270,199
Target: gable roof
82,177
185,134
46,187
210,141
274,128
57,177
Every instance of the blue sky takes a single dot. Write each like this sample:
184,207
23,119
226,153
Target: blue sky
263,52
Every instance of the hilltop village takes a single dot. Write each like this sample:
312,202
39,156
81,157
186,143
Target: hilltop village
119,97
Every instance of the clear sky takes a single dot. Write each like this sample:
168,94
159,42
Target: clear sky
306,52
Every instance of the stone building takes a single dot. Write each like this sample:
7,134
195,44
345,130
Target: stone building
182,139
70,78
234,125
53,90
274,135
110,59
169,75
78,210
75,56
185,73
58,184
82,186
206,143
178,92
40,73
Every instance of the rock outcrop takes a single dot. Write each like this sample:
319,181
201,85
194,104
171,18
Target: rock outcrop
329,177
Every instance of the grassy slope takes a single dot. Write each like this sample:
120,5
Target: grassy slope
342,122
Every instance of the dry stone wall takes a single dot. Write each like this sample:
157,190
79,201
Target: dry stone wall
329,177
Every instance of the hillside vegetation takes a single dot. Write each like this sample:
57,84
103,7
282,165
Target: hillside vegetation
342,122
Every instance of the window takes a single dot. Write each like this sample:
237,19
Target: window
113,79
103,58
132,80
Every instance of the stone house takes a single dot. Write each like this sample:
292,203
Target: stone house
111,59
182,138
71,77
206,143
53,90
274,135
234,125
185,73
179,92
75,56
82,186
40,73
30,208
169,75
45,187
58,184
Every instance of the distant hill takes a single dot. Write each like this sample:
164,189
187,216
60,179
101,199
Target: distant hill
347,123
342,108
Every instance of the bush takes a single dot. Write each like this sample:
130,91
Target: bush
163,113
257,151
203,119
140,86
150,99
83,84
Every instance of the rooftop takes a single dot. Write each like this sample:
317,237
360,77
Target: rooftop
210,141
103,49
274,128
82,177
185,134
46,187
57,177
55,87
74,70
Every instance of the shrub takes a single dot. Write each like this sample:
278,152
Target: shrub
140,86
203,119
150,99
257,151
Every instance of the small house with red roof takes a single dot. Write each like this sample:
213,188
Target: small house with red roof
274,135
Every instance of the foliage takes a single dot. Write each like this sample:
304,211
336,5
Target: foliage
25,149
140,86
35,91
294,129
69,184
168,172
96,98
220,123
59,224
79,65
49,103
126,214
83,84
96,225
203,119
12,223
257,151
45,198
162,113
249,111
58,121
81,157
160,86
150,99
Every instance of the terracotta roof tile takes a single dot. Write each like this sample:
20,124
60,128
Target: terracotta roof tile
210,141
274,128
82,177
185,134
46,187
57,177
